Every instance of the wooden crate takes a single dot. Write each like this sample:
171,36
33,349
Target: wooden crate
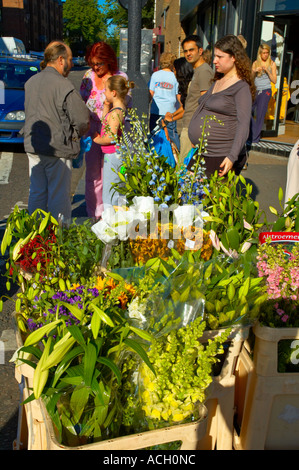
38,433
221,394
214,431
268,401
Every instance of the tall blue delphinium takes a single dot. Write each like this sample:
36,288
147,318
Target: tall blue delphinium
191,182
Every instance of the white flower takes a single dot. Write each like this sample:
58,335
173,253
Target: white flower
104,232
144,205
136,310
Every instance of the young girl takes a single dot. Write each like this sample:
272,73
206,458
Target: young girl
117,88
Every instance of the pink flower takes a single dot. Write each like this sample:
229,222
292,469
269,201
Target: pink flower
285,318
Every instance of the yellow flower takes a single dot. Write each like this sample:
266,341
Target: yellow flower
74,286
151,386
156,414
165,414
146,396
178,417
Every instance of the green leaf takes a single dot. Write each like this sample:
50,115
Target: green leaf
95,324
78,401
77,334
107,362
233,238
143,334
44,223
90,359
65,363
76,311
37,335
103,316
140,351
58,353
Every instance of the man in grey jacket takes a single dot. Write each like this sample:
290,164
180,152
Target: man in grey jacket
56,118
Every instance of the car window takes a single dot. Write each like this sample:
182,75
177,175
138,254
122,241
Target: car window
15,76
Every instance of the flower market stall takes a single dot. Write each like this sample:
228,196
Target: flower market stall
130,329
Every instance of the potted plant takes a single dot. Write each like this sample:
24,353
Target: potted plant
272,373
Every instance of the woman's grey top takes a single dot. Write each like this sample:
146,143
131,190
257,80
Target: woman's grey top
233,107
263,82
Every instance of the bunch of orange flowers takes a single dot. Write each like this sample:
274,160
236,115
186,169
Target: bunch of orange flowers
107,284
144,249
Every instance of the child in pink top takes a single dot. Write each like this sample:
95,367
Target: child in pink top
117,88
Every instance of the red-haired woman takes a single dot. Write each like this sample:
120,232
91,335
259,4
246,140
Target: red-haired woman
103,62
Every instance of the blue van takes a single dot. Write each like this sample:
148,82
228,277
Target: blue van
14,72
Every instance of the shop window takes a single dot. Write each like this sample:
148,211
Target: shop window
221,18
279,5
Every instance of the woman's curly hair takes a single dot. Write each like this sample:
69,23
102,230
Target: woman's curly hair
231,45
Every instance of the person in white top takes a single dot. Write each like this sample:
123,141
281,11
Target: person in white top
164,91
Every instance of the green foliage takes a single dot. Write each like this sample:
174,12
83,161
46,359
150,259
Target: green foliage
118,16
76,366
287,220
223,291
84,24
234,216
72,259
144,172
183,372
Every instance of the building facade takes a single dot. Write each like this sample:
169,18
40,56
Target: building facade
275,22
35,22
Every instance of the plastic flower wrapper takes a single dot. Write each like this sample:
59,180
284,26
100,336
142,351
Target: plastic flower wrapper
183,373
188,215
232,291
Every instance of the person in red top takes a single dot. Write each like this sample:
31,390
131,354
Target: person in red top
116,91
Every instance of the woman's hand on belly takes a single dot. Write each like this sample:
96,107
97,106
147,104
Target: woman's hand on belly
225,166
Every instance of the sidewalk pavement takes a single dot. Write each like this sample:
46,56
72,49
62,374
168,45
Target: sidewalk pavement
266,173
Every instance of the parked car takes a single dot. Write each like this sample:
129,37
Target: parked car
14,72
79,61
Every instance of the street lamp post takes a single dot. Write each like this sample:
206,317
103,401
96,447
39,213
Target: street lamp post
140,92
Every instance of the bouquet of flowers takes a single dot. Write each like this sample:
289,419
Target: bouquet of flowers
280,272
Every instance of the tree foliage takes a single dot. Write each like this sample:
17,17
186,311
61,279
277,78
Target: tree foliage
116,15
84,24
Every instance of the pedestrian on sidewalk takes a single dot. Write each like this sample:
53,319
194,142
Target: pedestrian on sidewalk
164,88
56,118
184,73
200,83
114,111
103,64
265,73
229,99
